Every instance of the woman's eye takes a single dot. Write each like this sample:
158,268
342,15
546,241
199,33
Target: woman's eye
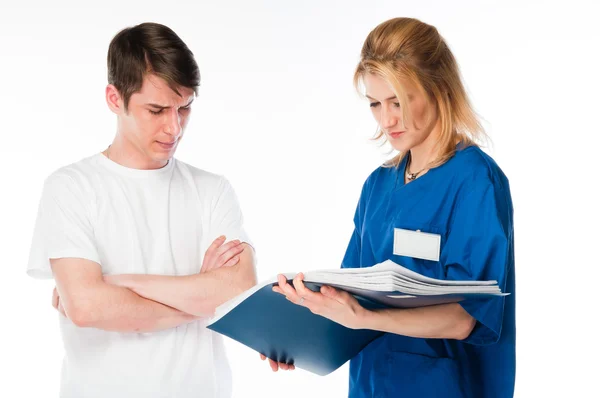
373,104
397,104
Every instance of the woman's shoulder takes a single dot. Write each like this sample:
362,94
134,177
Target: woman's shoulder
381,174
472,163
377,179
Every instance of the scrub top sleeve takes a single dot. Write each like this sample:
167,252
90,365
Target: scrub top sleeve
478,248
352,256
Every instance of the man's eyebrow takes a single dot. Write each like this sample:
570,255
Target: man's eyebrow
165,107
157,106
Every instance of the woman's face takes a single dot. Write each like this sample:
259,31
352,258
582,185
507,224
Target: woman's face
388,114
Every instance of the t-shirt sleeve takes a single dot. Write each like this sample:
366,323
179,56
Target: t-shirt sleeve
226,215
62,227
478,248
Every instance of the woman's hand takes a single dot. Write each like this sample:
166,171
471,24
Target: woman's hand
277,365
336,305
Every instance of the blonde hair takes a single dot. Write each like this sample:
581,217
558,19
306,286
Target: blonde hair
408,49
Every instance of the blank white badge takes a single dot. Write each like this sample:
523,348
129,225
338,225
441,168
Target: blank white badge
417,244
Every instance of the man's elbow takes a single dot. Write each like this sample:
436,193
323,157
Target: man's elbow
82,307
81,314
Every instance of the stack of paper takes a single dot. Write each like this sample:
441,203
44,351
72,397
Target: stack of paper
268,323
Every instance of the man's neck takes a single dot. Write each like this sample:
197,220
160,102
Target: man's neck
131,157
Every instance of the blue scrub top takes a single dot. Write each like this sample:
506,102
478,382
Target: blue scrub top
467,201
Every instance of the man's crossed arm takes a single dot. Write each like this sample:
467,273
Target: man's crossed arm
145,303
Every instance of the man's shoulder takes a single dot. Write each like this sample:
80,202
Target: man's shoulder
196,172
76,173
202,178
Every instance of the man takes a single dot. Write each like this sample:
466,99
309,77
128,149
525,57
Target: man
123,233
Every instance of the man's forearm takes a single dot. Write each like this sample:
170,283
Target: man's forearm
118,309
197,294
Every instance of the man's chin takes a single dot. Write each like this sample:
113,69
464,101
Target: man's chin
163,155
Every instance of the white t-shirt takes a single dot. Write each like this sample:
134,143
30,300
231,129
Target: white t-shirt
145,222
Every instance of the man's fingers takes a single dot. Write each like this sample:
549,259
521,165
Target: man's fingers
55,298
61,309
225,255
215,245
210,257
229,254
233,261
226,247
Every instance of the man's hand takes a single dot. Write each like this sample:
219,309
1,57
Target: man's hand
221,255
56,302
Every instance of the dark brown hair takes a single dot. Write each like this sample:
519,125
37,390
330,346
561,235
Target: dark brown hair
150,48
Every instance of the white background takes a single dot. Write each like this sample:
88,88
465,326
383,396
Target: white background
277,114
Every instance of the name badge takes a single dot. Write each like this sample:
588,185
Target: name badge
417,244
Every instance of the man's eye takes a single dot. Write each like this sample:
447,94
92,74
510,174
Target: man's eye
155,112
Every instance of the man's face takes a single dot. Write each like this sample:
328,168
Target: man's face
155,120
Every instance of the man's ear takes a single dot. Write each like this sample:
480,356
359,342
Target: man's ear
114,100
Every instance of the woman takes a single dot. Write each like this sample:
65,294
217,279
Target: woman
441,183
